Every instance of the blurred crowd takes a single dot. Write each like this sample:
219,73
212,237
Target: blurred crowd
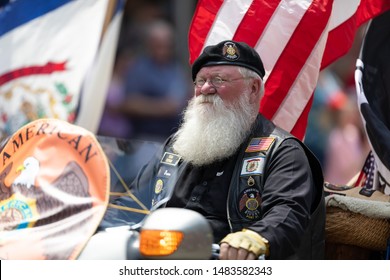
335,131
150,86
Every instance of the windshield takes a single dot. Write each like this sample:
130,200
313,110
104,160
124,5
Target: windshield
126,158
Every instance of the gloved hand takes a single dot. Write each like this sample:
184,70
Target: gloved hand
247,240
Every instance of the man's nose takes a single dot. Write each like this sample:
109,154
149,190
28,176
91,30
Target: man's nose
207,88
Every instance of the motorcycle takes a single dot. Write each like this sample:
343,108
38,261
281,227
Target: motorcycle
166,233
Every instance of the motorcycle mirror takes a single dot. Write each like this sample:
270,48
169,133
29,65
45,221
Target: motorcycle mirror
176,233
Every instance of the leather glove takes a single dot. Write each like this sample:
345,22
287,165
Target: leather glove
248,240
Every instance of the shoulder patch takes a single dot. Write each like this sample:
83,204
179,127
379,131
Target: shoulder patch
249,204
260,144
253,166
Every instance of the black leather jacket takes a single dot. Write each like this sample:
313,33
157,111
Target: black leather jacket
294,219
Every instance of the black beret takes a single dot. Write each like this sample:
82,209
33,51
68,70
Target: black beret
229,53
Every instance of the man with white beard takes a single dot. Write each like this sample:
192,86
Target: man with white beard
212,129
259,187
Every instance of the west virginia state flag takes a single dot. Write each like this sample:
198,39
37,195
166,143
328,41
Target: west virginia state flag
55,59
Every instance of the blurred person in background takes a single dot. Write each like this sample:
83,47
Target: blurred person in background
156,86
347,145
334,127
113,122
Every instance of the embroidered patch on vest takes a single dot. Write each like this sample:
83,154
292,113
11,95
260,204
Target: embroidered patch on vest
251,181
249,203
253,166
170,159
158,186
259,144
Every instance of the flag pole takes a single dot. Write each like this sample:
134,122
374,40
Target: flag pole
110,12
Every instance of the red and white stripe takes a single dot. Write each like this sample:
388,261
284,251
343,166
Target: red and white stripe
295,39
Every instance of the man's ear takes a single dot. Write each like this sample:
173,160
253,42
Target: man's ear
255,91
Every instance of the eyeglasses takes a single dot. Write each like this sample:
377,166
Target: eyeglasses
216,82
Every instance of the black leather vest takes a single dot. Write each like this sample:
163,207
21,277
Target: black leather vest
247,184
313,243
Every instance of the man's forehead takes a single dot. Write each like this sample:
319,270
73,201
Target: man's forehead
218,69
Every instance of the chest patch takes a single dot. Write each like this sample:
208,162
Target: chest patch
253,166
158,187
249,204
170,159
259,144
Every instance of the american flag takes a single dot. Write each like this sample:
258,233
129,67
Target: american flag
259,144
366,176
295,39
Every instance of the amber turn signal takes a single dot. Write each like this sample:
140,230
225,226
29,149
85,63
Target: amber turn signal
159,242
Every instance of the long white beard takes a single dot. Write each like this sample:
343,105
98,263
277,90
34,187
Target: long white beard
211,130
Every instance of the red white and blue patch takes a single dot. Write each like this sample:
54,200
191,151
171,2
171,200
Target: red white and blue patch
260,144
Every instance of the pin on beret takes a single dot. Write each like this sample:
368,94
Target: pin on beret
229,53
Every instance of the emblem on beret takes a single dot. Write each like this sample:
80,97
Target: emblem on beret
230,51
249,203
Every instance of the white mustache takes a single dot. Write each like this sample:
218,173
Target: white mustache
210,98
